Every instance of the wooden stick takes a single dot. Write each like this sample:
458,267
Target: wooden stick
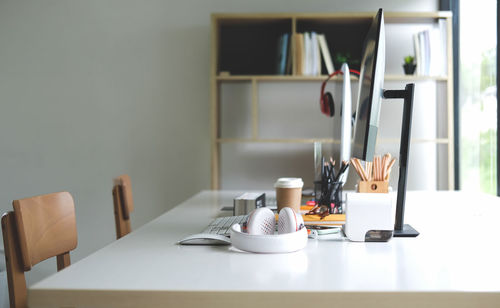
359,169
389,168
379,171
355,163
387,159
365,176
384,166
355,167
380,168
369,168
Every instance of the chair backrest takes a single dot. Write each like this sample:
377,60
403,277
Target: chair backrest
39,228
123,204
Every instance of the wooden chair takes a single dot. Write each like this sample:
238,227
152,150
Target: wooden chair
39,228
123,204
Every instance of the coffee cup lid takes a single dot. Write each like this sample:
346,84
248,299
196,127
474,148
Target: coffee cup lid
289,183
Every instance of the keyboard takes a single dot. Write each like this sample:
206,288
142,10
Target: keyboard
222,225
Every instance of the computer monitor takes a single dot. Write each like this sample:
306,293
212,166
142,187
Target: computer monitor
370,93
346,120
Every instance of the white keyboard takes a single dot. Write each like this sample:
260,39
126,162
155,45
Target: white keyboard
221,225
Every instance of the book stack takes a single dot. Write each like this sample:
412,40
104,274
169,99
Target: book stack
310,48
430,50
330,220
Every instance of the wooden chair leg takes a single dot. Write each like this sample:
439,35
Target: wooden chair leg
15,272
63,260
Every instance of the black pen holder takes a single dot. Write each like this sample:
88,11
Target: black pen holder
331,196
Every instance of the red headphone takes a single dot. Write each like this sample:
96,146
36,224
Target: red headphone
326,99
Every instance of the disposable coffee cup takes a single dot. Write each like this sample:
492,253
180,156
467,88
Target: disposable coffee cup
289,193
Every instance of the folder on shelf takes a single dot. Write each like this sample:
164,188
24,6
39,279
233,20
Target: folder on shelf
299,53
325,52
315,55
289,64
282,54
430,51
443,41
308,54
418,56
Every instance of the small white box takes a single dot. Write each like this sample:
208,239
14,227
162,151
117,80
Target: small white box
248,202
369,217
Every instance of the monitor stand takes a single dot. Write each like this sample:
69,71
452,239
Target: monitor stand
400,229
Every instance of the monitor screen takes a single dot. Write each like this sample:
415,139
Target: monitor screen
371,83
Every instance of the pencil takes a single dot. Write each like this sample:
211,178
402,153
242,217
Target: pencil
359,169
355,167
369,169
387,158
389,167
379,168
363,173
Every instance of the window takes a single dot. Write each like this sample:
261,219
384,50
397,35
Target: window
478,95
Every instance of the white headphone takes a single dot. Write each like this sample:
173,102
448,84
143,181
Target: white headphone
260,237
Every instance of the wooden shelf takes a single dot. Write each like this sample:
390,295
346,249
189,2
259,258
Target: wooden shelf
244,50
322,140
409,78
262,140
398,17
263,78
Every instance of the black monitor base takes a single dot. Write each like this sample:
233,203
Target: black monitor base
400,229
407,231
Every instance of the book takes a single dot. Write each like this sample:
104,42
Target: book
332,219
418,56
278,55
422,52
307,55
427,52
438,46
299,53
289,60
421,42
325,52
431,50
315,55
443,41
282,54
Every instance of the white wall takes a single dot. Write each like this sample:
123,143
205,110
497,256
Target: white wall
92,89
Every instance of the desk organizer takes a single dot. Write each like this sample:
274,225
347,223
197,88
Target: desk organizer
373,186
369,217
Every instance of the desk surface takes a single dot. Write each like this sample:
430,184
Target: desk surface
455,260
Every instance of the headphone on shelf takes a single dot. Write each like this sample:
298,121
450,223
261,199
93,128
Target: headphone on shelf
326,99
258,233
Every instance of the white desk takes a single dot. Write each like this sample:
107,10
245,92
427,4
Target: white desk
455,262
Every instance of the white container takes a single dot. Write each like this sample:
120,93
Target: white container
369,217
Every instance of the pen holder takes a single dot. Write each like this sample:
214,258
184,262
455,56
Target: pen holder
373,186
331,196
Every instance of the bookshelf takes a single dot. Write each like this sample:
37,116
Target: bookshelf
244,55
